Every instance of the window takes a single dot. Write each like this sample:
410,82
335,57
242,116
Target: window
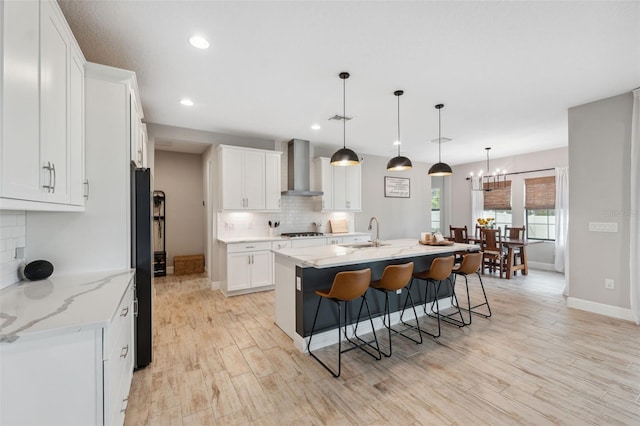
435,210
502,217
541,224
540,204
497,202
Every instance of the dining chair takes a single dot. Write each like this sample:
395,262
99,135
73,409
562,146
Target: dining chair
515,233
491,246
459,235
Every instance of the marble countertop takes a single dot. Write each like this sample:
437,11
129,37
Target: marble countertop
340,255
61,303
279,238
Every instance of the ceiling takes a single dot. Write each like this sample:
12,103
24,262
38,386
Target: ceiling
506,71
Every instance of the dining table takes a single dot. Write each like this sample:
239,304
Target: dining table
511,244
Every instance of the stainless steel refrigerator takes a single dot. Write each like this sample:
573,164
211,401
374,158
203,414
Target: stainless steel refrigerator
141,260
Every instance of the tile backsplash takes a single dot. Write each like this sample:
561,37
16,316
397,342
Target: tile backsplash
297,214
12,236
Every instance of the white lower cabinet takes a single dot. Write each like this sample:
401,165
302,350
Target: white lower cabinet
79,377
248,266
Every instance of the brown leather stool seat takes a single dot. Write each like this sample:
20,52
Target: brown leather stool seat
439,272
394,278
347,286
471,263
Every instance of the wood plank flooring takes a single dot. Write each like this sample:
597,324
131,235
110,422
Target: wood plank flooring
223,361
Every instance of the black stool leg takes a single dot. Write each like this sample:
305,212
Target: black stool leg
363,342
339,340
448,318
415,314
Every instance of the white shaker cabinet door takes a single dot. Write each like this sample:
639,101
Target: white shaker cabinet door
54,81
238,271
272,182
261,268
21,102
231,179
254,180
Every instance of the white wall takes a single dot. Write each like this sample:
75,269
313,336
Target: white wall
539,254
12,235
399,217
599,180
179,175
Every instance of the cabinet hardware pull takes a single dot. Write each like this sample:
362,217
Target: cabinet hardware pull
124,352
86,189
250,246
53,169
48,168
124,406
124,312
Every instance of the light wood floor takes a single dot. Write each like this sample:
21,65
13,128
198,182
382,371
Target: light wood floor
223,361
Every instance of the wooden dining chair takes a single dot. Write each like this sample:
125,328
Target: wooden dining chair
491,246
515,233
459,235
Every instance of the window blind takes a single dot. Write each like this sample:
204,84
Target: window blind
499,198
540,193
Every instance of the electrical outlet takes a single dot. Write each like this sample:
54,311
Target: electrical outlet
298,284
608,283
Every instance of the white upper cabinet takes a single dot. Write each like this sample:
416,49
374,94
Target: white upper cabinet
272,181
42,110
342,186
138,133
249,179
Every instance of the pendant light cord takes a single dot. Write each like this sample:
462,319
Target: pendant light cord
439,135
398,125
344,114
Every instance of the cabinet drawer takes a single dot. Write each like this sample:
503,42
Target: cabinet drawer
240,247
277,245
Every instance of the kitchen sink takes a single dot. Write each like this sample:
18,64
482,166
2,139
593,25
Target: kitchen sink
363,245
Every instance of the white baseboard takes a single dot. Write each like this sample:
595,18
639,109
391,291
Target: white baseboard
600,308
327,338
215,285
541,266
169,270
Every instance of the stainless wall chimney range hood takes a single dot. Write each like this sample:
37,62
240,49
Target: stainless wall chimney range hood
298,169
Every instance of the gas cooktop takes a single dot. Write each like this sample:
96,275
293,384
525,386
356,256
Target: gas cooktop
301,234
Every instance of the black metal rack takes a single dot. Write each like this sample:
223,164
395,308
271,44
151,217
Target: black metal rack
159,235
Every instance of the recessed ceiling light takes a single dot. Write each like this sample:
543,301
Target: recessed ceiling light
315,126
186,102
199,42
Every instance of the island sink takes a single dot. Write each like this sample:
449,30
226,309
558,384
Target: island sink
364,245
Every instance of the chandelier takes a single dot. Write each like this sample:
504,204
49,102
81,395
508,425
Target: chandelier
489,181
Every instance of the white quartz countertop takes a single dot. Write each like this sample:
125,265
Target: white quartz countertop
61,303
339,255
279,238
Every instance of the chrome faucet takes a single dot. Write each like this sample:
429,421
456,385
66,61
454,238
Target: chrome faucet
376,242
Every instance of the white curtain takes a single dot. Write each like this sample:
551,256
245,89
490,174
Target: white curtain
634,216
477,203
561,262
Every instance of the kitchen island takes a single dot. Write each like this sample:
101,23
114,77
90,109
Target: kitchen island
301,271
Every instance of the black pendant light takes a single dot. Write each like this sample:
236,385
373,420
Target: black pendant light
344,156
440,168
399,162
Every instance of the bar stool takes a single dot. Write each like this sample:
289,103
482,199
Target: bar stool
394,278
439,272
471,263
347,286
